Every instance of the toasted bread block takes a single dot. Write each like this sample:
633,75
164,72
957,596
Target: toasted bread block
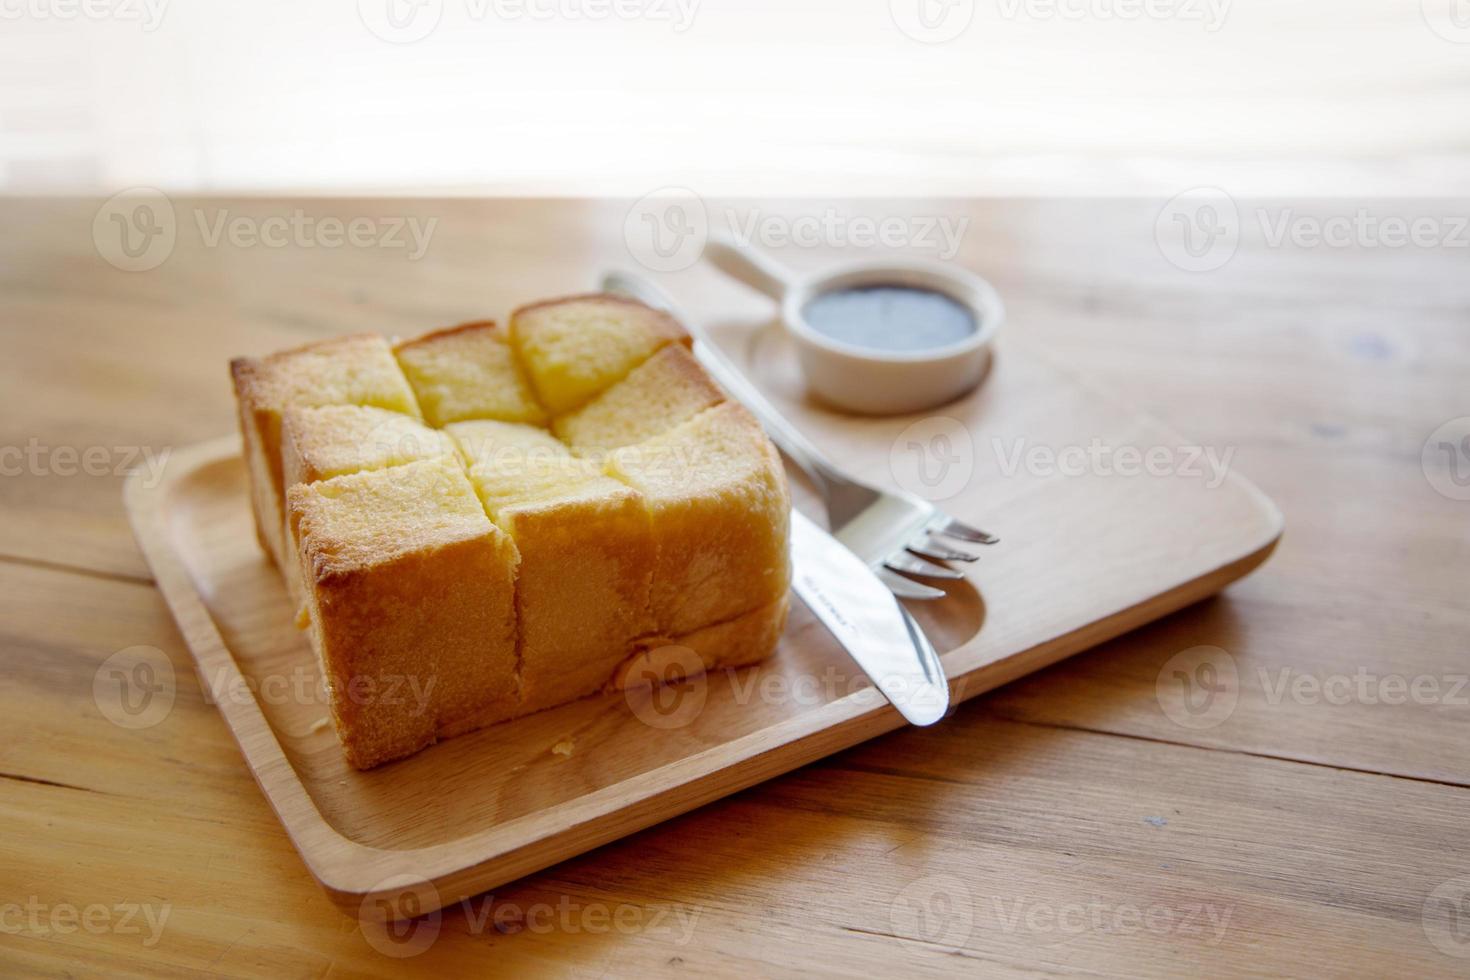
742,641
411,596
324,441
716,493
578,347
665,390
586,558
356,370
468,372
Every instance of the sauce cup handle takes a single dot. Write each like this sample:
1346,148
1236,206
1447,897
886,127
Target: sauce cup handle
748,265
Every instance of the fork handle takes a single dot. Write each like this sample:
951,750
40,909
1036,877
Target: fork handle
798,447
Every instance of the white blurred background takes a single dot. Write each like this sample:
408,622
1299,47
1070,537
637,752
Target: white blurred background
736,96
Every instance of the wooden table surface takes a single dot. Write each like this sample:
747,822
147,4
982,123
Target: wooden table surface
1310,820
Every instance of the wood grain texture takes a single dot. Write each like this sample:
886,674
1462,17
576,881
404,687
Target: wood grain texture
1017,838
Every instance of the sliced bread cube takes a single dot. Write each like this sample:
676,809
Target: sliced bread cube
320,442
411,597
355,370
323,441
586,558
665,390
469,372
717,496
579,346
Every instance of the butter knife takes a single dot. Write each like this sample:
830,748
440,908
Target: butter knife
865,617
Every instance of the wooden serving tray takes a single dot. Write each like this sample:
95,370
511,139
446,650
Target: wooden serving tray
1083,558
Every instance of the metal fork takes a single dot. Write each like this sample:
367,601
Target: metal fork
892,531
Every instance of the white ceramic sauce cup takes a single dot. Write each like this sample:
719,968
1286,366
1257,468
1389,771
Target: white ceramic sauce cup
863,379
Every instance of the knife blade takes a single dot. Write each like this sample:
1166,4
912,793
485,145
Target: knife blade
865,617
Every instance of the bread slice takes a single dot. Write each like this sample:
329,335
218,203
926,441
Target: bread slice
320,442
717,496
742,641
665,390
355,370
411,596
323,441
523,451
586,554
468,372
586,564
577,347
